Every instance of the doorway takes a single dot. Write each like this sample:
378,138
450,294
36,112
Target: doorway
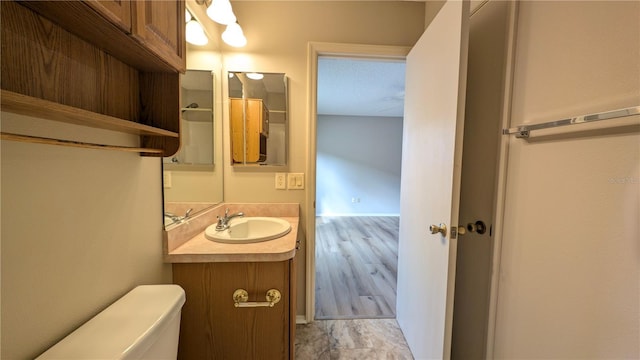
487,76
352,202
359,152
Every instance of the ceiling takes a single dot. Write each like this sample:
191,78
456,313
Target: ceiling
360,87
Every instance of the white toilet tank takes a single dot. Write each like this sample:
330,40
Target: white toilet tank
143,324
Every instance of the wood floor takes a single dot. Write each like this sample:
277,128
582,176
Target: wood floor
356,267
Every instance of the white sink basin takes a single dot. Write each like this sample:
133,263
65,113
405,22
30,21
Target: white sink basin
249,230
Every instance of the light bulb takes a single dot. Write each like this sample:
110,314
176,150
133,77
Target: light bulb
234,36
220,11
255,76
187,16
195,34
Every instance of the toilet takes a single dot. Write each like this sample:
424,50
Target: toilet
143,324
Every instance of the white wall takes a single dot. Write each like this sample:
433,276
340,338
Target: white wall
358,158
569,276
278,34
80,228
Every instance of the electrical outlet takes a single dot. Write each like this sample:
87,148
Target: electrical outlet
295,181
166,175
281,181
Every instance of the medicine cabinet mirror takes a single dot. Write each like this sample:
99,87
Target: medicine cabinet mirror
196,122
258,119
191,181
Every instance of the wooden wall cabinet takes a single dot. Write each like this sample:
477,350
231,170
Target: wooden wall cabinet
116,11
104,64
249,139
160,27
213,328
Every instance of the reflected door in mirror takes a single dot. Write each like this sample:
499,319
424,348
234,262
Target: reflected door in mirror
258,118
250,130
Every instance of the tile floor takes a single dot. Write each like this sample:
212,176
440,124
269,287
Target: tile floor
360,339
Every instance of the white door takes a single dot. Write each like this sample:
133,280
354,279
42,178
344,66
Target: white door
430,185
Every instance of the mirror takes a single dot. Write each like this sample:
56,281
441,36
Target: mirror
196,122
194,180
190,181
258,119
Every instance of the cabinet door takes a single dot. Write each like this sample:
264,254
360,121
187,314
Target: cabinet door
160,26
213,328
237,133
116,11
253,126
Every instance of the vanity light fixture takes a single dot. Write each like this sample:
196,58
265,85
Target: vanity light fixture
234,36
220,11
255,76
194,33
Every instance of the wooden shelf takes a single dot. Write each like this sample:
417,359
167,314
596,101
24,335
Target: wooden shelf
197,109
27,105
71,143
63,66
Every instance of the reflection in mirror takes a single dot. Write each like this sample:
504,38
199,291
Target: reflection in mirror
189,176
196,122
258,118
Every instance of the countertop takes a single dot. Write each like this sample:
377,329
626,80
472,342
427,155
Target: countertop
180,247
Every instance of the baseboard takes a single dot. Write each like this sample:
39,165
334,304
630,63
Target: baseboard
301,319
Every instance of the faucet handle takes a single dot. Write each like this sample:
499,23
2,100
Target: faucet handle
226,213
221,225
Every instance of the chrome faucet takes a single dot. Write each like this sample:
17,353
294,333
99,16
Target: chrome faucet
178,219
223,222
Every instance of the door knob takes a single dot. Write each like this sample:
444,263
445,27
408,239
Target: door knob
479,226
442,228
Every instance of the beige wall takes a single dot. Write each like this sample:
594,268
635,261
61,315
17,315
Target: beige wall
569,279
278,34
80,228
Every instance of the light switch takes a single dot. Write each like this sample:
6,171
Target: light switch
281,181
166,179
295,181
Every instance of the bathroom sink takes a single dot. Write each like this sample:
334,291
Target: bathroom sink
249,230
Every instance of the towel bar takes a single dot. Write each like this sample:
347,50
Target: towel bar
523,131
241,297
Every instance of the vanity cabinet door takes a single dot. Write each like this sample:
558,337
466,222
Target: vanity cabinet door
213,328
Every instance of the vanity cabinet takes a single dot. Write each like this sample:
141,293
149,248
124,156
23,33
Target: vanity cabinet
250,130
106,64
213,328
